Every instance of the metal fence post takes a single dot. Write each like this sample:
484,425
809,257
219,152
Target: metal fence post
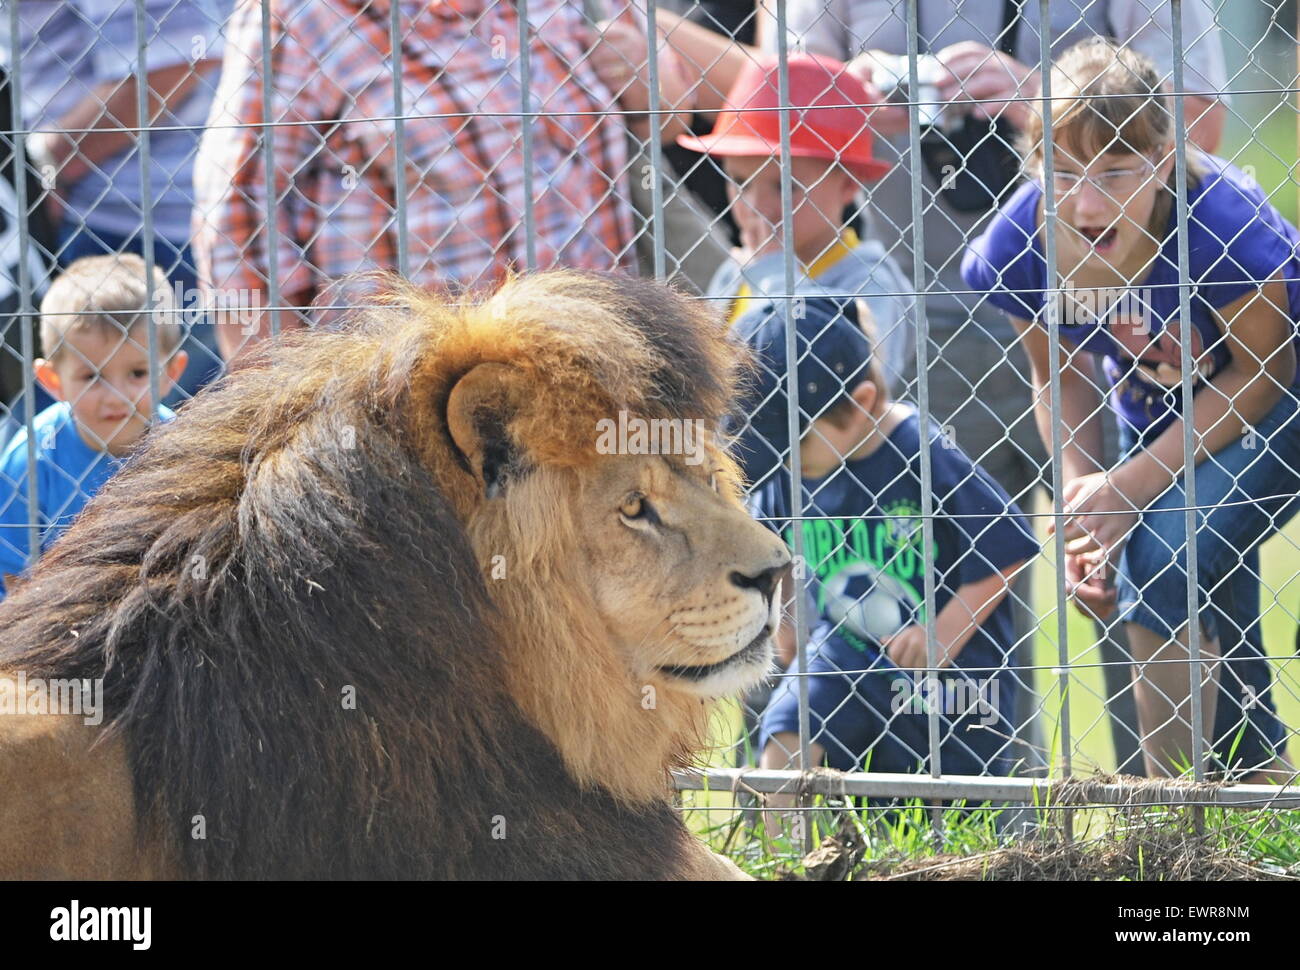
142,90
268,161
922,369
792,392
1195,669
25,309
1052,307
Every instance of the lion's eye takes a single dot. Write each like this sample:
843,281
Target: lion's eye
637,508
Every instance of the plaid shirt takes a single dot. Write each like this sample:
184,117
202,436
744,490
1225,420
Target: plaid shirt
335,158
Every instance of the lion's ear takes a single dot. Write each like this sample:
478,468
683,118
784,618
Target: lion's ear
479,411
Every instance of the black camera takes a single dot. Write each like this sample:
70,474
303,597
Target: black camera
973,159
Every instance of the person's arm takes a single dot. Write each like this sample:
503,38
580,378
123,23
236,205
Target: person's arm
1080,406
1089,578
1003,86
105,123
1104,506
715,61
182,45
619,56
1258,333
231,239
971,604
697,67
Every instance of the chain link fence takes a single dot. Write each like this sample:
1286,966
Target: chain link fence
824,171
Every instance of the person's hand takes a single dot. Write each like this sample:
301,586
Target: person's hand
977,72
1089,582
906,648
886,120
619,55
1099,515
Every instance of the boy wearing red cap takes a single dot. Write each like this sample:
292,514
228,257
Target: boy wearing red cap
830,163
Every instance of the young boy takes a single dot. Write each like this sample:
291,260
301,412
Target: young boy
831,162
860,512
94,327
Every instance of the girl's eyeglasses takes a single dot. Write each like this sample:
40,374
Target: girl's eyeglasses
1117,183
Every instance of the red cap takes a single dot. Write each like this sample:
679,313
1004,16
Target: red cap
835,130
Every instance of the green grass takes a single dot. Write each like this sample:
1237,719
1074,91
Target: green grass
1090,731
1108,844
1268,154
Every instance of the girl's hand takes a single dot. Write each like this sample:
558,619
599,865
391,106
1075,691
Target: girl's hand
1089,582
1100,517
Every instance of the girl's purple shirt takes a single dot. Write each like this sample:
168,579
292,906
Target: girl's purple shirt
1236,241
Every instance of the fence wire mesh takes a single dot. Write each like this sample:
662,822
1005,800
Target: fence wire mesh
985,380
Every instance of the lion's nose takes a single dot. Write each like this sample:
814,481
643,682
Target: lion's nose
765,582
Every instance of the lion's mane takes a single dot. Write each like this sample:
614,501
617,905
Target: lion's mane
297,535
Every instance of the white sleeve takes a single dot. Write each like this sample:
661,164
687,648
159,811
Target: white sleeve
817,27
179,32
1146,26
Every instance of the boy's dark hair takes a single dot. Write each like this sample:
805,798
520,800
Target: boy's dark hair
834,355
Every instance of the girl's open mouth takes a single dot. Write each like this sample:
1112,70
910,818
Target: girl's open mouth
1100,238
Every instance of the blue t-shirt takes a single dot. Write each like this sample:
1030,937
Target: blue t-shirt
68,473
1235,240
863,541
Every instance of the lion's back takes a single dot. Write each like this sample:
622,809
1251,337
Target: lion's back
67,809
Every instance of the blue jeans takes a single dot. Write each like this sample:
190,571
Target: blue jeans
177,264
876,719
1152,579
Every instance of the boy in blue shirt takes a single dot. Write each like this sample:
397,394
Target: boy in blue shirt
860,511
94,321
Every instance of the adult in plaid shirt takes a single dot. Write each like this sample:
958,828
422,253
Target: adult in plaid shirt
335,152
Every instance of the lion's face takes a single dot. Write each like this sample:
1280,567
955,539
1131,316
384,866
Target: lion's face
685,581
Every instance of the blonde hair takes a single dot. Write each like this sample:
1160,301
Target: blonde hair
109,295
1108,98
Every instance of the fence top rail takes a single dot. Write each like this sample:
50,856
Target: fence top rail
1046,792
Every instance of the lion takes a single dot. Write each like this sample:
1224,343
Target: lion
377,606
